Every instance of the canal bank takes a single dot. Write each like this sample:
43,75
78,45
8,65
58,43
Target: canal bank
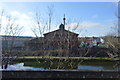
69,64
62,59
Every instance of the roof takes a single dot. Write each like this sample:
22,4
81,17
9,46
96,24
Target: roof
37,39
16,36
60,30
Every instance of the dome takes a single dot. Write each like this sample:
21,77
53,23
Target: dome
61,27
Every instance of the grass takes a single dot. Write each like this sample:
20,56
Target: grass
54,57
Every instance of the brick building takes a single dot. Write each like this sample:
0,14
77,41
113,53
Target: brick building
60,39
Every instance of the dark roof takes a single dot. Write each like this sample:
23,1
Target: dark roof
22,38
16,36
60,30
37,39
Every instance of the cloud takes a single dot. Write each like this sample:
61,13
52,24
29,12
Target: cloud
88,28
30,13
71,25
3,20
19,15
21,19
85,24
14,13
91,24
95,16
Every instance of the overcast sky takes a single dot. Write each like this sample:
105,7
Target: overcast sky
94,18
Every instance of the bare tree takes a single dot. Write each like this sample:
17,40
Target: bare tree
112,43
41,26
11,29
37,30
1,19
50,15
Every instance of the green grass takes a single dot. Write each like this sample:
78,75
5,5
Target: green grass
53,57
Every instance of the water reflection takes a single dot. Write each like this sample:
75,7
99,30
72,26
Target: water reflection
88,67
20,66
46,65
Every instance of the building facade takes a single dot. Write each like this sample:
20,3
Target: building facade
14,42
60,39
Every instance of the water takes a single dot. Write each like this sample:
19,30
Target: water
20,66
82,66
99,66
87,67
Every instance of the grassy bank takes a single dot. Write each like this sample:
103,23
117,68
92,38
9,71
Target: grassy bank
52,57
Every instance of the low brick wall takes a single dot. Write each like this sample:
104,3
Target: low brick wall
59,74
